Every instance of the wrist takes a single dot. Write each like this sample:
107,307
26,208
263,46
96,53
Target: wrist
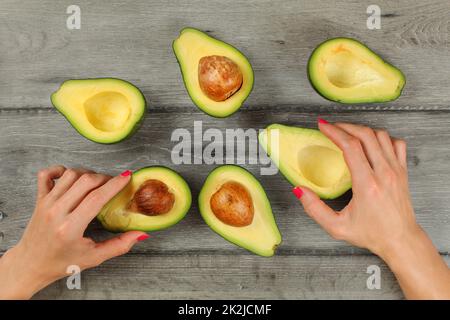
405,248
418,267
17,277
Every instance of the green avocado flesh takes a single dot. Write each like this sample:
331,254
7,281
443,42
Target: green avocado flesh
103,110
117,216
189,48
261,236
345,70
306,157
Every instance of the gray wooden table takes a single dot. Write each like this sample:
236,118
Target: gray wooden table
132,40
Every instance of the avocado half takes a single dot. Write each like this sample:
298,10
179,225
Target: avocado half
191,46
306,157
104,110
260,233
346,71
155,199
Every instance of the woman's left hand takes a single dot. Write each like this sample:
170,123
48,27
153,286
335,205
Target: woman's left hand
54,238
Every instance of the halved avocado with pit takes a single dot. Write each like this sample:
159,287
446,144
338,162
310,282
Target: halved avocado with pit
103,110
306,157
156,198
234,204
346,71
217,76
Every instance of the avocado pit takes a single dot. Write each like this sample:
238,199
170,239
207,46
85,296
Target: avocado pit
219,77
152,198
233,205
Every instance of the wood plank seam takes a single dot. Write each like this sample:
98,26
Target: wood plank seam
279,109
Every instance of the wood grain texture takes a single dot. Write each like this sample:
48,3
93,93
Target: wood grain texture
132,40
31,140
202,276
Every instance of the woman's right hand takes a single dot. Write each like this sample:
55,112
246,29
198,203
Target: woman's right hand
380,213
380,216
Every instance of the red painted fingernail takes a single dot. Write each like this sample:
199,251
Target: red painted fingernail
143,237
320,120
125,173
297,192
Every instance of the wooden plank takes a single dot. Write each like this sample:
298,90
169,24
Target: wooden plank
31,140
230,277
132,40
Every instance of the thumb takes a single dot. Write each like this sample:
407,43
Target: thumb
119,245
319,211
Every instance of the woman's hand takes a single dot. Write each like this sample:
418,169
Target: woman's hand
380,213
54,238
380,216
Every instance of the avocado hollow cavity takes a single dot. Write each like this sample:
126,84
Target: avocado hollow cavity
345,70
321,165
233,205
107,111
219,77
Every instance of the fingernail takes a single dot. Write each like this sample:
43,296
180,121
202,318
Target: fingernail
320,120
125,173
297,192
143,237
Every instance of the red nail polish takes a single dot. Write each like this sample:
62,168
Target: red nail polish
320,120
297,192
125,173
143,237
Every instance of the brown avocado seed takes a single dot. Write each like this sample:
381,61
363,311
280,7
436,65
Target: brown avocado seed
219,77
233,205
152,198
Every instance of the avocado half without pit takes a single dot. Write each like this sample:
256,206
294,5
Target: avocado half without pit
156,198
346,71
217,76
104,110
234,204
306,157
